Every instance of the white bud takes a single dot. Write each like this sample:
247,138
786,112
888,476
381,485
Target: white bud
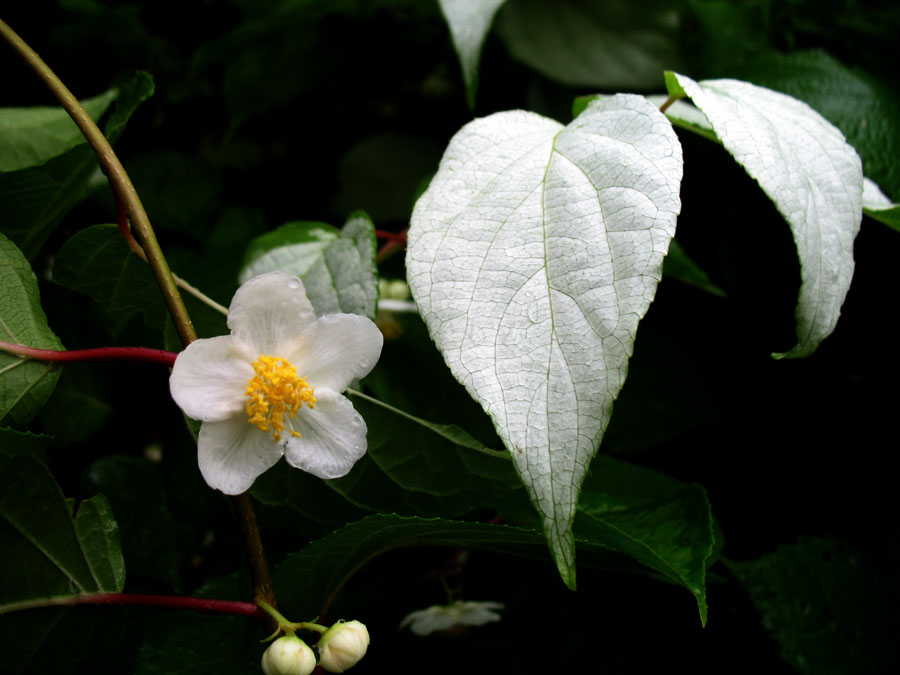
288,655
342,646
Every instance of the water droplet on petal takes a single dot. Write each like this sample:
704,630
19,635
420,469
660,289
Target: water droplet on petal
294,283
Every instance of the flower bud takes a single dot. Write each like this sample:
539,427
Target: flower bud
288,655
342,646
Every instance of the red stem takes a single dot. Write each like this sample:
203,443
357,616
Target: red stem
203,605
399,237
99,354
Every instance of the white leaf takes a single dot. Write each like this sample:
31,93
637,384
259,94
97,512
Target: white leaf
813,176
469,22
532,256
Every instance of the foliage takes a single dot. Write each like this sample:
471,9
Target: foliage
580,394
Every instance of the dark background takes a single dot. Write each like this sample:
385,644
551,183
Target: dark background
264,115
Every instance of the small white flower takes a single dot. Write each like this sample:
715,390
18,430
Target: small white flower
273,387
342,646
444,617
288,655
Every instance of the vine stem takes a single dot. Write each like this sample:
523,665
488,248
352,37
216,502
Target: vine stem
665,106
119,180
124,191
125,229
98,354
203,605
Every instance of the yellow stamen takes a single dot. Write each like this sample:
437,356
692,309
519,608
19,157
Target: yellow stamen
274,391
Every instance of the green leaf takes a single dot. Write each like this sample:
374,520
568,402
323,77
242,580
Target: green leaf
14,442
98,534
337,267
614,44
135,492
827,605
46,553
532,261
384,173
97,261
31,136
77,409
673,535
678,265
439,469
653,535
469,23
412,467
63,640
811,174
876,205
35,199
675,89
865,109
188,643
24,385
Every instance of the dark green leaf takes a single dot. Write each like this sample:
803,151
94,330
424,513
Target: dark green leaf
610,45
180,192
673,535
337,266
423,468
14,442
865,109
45,552
35,199
306,579
384,173
187,643
678,265
63,640
135,492
827,604
31,136
670,534
78,408
97,261
890,217
412,466
24,385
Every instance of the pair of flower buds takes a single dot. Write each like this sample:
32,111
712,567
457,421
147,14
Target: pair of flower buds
341,647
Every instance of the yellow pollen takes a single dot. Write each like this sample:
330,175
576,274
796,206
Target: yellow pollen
274,391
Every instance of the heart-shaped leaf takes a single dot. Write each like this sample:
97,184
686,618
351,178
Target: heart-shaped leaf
532,256
814,177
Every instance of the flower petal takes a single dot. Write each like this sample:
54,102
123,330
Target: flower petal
333,437
233,453
209,378
269,310
337,349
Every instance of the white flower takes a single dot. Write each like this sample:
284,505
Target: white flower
444,617
273,387
288,655
342,646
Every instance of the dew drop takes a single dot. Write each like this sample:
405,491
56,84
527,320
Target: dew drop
294,284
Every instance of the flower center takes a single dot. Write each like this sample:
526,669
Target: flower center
274,391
